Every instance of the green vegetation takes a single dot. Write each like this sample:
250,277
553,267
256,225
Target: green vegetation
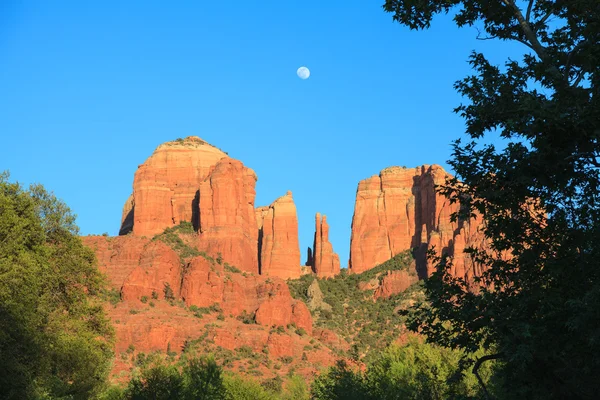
55,341
364,323
231,268
414,371
171,236
537,192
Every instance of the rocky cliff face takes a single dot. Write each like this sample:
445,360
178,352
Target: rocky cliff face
325,263
189,180
399,209
278,244
165,186
151,318
227,224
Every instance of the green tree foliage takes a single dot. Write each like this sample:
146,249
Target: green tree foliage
158,382
537,194
199,379
55,340
340,382
414,371
245,389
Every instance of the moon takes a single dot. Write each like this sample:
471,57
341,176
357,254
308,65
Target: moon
303,73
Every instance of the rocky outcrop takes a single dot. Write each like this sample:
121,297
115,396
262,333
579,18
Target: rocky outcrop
399,209
227,222
325,262
158,274
118,256
278,244
395,282
315,297
165,186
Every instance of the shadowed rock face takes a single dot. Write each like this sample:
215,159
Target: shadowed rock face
399,209
325,262
165,186
279,247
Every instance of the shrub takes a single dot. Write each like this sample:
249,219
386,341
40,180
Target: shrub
231,268
246,318
274,385
286,359
169,295
144,299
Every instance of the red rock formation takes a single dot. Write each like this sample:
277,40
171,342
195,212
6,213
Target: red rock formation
117,256
398,210
165,186
227,223
395,282
203,284
127,216
159,267
326,263
279,248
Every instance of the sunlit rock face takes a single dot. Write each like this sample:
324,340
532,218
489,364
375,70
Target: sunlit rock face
165,186
399,209
325,262
279,247
227,222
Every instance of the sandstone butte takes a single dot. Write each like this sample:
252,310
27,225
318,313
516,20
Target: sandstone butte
399,209
189,180
278,244
324,262
166,186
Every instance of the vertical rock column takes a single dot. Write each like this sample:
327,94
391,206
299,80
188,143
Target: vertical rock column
326,263
279,247
227,223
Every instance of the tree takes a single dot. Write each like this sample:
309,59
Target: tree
420,371
536,305
413,371
159,382
55,340
339,382
203,380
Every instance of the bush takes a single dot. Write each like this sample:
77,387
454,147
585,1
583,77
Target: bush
231,268
246,318
169,295
274,385
286,359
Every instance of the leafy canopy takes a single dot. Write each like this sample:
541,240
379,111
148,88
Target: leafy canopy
55,340
537,195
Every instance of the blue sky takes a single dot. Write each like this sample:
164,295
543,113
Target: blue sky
89,89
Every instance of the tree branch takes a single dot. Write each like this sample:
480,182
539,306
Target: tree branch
529,7
543,20
476,368
529,34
